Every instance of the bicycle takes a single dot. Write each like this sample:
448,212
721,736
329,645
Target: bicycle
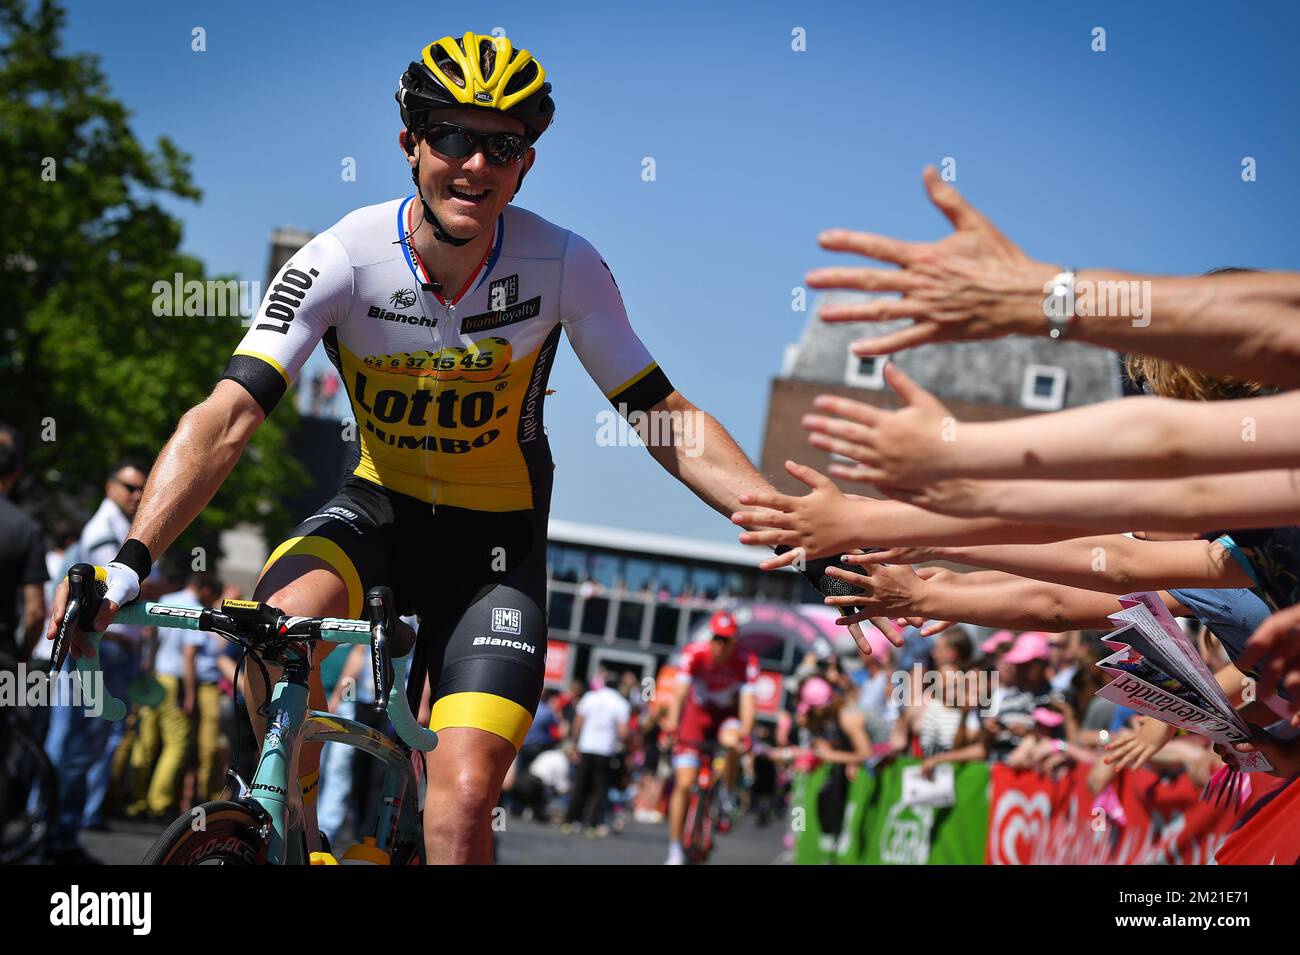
264,824
29,792
697,830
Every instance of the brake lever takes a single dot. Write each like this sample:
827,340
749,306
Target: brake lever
379,602
86,589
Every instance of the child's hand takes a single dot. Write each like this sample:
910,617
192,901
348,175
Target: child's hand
1132,748
819,524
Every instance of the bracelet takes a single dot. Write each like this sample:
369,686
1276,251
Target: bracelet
1059,306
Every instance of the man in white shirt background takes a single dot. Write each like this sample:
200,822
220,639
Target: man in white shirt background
80,746
600,728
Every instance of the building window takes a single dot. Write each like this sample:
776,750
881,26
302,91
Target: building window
1043,388
865,371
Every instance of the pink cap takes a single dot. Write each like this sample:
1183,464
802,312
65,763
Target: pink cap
1047,717
997,641
1029,646
816,693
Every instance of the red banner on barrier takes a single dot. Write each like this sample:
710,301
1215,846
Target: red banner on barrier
1269,831
1145,819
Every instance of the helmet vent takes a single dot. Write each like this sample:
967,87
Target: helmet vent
522,78
487,56
450,68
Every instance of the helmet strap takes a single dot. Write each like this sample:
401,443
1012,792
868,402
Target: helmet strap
439,233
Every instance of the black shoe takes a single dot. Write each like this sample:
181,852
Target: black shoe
74,856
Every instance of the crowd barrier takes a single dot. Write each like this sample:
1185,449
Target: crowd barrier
992,814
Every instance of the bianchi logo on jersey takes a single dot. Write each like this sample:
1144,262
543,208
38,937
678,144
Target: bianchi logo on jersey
402,298
503,292
390,316
507,620
498,642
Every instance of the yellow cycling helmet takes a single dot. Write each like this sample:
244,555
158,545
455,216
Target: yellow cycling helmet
477,72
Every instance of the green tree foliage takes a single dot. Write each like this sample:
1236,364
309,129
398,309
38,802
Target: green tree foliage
83,241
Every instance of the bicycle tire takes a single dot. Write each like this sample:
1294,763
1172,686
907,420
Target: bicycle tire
24,833
228,837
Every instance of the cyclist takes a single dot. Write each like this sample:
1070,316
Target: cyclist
442,313
713,702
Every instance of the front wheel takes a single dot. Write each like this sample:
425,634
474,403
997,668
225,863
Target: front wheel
215,833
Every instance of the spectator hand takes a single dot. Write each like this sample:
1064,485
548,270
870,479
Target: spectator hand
906,448
892,591
818,524
1277,644
1283,754
974,284
1133,747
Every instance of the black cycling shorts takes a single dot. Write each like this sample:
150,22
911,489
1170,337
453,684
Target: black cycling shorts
477,580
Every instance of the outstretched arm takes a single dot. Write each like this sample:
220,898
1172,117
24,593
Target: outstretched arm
1113,563
1194,505
977,284
1125,438
693,447
826,521
985,598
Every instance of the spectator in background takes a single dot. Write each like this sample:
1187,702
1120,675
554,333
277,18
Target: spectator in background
22,562
528,794
165,733
873,679
600,726
835,733
329,390
1022,688
1064,661
569,701
81,746
342,674
942,715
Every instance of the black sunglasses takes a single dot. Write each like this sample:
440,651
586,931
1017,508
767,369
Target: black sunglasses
501,149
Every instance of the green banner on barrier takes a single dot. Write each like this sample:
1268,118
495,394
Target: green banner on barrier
878,828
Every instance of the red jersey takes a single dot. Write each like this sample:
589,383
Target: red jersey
717,685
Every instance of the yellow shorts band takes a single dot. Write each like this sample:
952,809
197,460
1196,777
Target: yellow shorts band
484,711
322,548
310,786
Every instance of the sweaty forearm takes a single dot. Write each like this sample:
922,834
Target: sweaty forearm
1004,601
1195,504
193,464
1110,563
704,457
1246,325
1132,438
897,524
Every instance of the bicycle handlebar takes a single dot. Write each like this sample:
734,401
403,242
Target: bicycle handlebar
333,629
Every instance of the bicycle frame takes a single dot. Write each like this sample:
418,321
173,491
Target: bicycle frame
275,796
275,790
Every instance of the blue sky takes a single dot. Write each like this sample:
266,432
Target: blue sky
1129,158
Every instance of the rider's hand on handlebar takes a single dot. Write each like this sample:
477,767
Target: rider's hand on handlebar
123,586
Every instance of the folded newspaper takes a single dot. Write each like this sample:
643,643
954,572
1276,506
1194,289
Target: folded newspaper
1158,673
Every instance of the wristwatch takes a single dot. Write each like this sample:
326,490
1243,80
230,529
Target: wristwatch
1058,306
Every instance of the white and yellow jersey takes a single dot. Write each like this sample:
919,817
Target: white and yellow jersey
448,392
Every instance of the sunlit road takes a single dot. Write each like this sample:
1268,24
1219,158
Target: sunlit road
520,843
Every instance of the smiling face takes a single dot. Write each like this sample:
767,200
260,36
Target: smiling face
468,194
